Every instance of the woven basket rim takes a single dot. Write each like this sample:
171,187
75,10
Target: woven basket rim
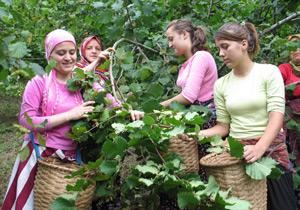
226,160
50,162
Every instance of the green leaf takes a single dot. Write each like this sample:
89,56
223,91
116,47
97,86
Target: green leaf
79,73
151,105
119,127
177,130
37,69
132,181
41,139
42,124
147,169
148,120
24,153
177,106
18,50
112,149
147,182
261,168
236,147
50,66
28,120
215,140
136,124
109,167
105,115
102,191
217,150
187,199
100,98
65,202
144,73
237,204
156,90
190,115
275,173
3,74
105,65
211,189
296,180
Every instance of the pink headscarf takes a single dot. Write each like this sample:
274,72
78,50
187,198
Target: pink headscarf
56,37
50,93
83,60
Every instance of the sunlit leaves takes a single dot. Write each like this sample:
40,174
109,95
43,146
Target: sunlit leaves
149,168
187,199
24,153
261,168
65,201
119,128
18,50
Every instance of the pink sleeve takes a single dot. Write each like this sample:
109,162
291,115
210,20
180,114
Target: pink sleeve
31,104
198,68
114,102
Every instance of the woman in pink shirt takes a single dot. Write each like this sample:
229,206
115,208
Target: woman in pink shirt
91,56
47,99
198,73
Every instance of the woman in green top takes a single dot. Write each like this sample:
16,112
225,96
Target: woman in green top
250,107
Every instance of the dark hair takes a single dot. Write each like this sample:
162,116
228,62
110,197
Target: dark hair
239,32
197,34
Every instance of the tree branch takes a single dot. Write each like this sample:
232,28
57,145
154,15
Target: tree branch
279,23
111,77
209,8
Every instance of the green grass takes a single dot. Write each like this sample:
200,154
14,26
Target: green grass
10,139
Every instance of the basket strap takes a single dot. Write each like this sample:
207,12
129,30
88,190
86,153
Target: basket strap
78,156
35,146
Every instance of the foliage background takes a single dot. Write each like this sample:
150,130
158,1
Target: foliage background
24,24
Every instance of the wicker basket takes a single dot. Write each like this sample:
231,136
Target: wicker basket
50,182
187,149
230,172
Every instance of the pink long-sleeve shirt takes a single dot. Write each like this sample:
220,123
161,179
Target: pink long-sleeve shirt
197,76
56,137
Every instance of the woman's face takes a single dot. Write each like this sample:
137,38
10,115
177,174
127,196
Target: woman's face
65,56
92,51
177,41
232,52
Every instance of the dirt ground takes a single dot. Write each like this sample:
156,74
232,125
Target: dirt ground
10,139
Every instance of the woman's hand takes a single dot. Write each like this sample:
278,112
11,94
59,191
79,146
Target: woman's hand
105,53
136,115
80,111
253,152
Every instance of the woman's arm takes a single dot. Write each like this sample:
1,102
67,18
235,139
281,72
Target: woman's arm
104,55
221,129
255,152
179,98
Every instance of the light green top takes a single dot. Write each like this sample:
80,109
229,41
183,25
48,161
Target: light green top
244,102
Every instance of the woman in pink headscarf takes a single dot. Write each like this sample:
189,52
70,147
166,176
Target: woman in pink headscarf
93,55
47,99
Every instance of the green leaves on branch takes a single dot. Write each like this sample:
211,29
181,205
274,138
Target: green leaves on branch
236,148
262,168
18,50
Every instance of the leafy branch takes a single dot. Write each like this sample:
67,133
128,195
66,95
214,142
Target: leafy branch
279,23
